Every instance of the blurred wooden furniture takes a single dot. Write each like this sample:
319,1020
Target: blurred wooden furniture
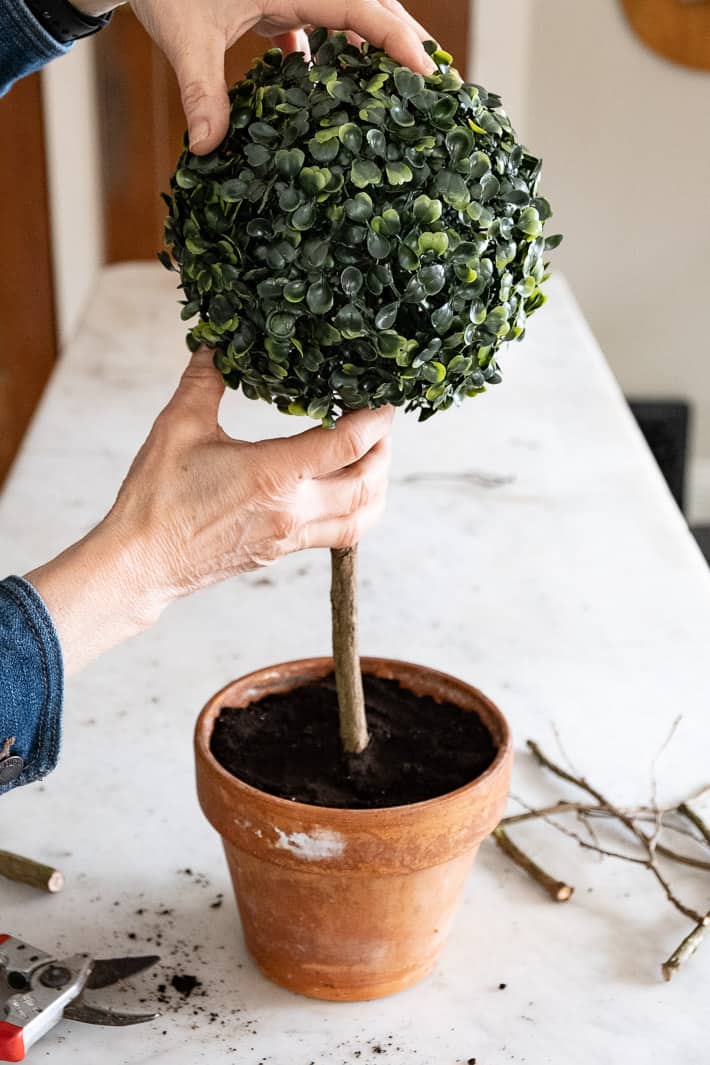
676,29
142,122
27,326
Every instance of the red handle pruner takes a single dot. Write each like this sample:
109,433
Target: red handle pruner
37,990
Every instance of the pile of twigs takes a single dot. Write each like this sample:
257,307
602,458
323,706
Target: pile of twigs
645,824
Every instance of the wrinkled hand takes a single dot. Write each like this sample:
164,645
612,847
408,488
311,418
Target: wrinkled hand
198,506
207,507
195,34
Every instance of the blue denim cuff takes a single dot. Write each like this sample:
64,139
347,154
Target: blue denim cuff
31,680
25,45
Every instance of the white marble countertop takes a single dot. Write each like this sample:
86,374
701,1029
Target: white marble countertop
531,547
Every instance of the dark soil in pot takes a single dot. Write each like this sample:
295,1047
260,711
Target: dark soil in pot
288,744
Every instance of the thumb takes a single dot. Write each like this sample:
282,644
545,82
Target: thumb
203,90
200,390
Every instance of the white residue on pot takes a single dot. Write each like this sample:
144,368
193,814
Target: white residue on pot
248,826
312,847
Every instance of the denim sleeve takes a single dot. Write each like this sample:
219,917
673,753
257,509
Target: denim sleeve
25,45
31,680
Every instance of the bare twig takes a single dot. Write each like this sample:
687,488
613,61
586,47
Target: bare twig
695,819
624,819
687,948
556,889
543,813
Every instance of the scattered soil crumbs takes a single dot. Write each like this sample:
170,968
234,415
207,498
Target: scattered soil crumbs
197,988
288,744
185,984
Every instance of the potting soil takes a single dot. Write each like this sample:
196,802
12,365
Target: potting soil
288,744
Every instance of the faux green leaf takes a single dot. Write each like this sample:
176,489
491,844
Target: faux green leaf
364,172
363,235
398,173
319,297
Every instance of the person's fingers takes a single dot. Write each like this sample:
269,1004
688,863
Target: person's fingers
200,390
318,452
343,532
354,38
352,489
199,67
378,25
399,9
293,41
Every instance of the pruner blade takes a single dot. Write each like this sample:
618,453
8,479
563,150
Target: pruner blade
78,1010
108,971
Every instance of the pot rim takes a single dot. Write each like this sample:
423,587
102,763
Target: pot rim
210,711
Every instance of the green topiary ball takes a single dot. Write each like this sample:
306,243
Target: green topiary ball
364,235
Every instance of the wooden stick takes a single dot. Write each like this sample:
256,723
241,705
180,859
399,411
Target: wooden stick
686,949
27,871
348,674
556,889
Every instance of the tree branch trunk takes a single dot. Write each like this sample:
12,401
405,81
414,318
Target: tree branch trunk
348,675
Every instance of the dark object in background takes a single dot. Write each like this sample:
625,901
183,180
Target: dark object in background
664,424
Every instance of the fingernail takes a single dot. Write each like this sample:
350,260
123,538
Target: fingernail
199,132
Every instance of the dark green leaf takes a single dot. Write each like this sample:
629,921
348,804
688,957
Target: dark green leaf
319,297
377,142
351,137
351,281
359,208
386,316
289,162
407,82
378,246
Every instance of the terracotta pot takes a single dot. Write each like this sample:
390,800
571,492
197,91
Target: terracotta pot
349,904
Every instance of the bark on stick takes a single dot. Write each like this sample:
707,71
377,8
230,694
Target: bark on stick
558,890
27,871
686,949
348,675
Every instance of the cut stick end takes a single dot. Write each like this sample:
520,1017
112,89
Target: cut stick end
564,892
55,882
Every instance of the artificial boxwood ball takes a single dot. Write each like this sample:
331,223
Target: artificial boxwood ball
364,234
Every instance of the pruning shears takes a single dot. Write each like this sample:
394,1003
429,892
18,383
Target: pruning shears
37,990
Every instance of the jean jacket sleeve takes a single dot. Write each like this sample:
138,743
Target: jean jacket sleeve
25,45
31,684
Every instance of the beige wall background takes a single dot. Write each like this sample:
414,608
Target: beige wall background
71,135
624,135
625,138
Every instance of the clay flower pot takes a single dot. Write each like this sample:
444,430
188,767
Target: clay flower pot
349,904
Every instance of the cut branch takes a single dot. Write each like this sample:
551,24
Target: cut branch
543,813
27,871
646,841
687,948
348,674
556,889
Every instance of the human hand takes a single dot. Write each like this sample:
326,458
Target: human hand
198,506
195,34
